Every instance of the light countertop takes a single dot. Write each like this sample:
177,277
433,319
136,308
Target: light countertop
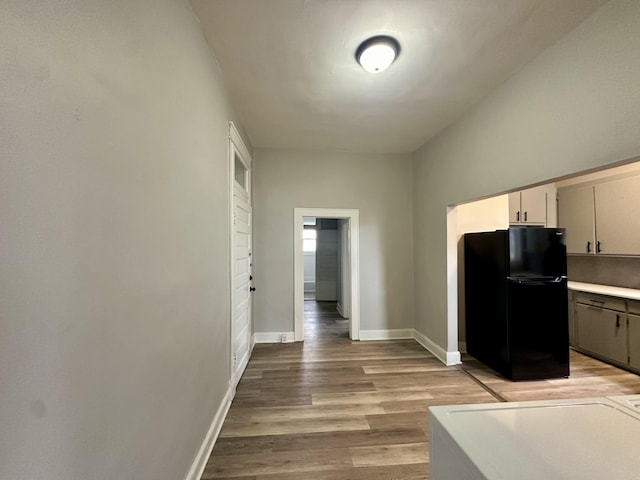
586,438
630,293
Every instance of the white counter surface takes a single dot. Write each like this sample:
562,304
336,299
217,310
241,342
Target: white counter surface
630,293
629,401
585,439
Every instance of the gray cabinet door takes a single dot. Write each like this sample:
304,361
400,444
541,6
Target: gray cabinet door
616,204
533,206
634,341
514,208
528,207
576,214
572,320
602,332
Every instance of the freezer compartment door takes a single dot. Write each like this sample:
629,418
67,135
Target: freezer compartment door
538,328
537,252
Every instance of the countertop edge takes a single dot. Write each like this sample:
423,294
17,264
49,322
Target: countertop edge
622,292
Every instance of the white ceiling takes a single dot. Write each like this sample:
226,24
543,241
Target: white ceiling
290,67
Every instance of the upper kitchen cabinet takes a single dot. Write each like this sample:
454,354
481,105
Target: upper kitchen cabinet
576,214
617,204
529,207
600,217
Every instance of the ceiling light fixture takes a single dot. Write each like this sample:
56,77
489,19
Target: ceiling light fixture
376,54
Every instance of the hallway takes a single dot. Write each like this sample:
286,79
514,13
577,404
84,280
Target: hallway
323,323
332,409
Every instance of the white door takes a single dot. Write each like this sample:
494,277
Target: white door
241,258
242,263
344,294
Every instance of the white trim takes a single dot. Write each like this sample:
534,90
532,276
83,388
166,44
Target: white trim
395,334
448,358
273,337
204,452
235,137
353,215
452,279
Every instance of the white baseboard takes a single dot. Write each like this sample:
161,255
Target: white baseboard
386,334
273,337
200,462
244,361
448,358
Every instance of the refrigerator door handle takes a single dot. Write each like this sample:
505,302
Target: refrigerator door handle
532,281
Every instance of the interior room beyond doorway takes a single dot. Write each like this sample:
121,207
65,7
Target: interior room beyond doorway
325,262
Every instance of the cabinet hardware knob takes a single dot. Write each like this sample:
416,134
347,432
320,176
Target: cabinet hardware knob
518,216
588,247
617,320
598,247
252,289
525,216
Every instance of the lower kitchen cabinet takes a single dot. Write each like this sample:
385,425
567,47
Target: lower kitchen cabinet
634,341
572,320
602,332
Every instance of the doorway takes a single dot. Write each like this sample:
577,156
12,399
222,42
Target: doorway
346,233
326,278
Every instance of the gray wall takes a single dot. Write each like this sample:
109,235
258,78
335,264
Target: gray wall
576,107
114,318
378,185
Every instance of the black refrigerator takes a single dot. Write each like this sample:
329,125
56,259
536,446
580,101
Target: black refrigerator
516,301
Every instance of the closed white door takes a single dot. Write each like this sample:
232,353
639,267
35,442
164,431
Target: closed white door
241,328
241,258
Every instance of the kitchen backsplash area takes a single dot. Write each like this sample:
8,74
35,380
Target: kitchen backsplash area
614,271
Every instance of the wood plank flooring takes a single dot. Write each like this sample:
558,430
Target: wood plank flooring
330,408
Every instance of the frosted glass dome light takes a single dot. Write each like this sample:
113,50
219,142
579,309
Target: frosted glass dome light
376,54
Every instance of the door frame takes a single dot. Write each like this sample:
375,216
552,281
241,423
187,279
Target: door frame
237,149
353,217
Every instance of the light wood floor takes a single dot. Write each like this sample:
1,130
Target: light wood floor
333,409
